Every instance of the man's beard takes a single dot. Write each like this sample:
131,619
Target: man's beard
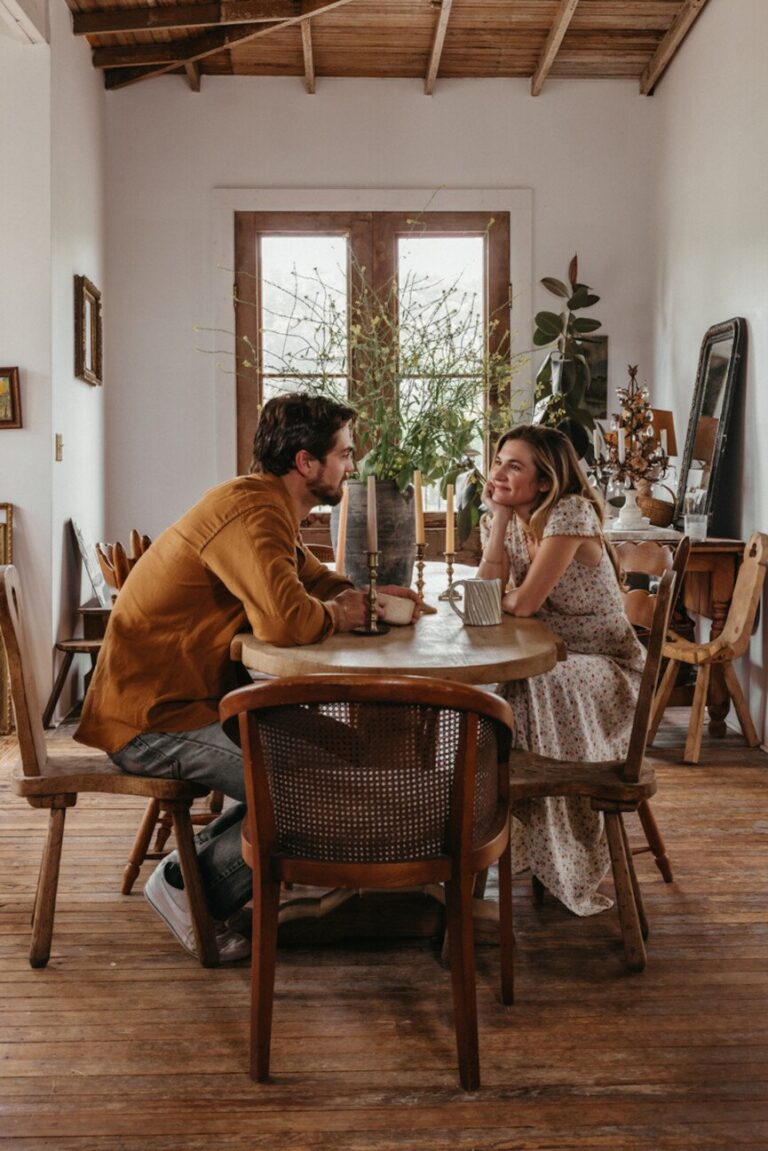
325,494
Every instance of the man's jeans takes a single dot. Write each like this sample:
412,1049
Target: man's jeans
206,756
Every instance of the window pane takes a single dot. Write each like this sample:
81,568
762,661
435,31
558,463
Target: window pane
304,304
441,302
278,385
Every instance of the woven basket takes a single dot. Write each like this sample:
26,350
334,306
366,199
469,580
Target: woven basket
659,512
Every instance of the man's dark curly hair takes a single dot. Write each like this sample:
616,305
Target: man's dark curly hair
291,423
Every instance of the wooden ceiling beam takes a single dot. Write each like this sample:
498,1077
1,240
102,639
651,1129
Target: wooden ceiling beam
437,47
115,22
562,19
121,62
193,76
662,58
309,63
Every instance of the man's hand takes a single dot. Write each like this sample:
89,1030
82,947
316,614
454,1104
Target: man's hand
349,609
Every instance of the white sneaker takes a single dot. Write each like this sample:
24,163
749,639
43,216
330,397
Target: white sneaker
172,905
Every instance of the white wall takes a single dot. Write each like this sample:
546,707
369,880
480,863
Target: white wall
712,241
586,150
77,246
25,324
51,226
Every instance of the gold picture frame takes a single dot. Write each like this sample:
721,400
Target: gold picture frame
88,332
10,398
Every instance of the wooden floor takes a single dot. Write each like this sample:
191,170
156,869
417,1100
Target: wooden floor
124,1042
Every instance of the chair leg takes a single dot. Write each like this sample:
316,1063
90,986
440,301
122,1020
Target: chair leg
696,722
631,930
140,845
506,927
205,937
164,829
538,891
662,698
266,904
633,879
655,840
47,885
57,688
458,903
740,704
216,802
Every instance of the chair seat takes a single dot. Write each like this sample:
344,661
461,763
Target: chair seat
80,646
536,776
65,775
687,651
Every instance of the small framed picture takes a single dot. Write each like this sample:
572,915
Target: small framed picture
87,331
10,399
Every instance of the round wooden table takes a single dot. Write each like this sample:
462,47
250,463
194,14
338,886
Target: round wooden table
436,645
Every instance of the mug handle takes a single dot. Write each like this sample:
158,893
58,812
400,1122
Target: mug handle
452,603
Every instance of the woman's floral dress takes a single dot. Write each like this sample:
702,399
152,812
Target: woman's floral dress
582,709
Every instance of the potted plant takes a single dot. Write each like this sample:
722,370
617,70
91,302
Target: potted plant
563,381
420,374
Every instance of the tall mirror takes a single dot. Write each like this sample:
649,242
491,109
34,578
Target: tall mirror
722,352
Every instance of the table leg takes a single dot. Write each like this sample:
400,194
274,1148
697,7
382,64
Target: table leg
718,699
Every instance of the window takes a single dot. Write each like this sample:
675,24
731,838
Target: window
304,281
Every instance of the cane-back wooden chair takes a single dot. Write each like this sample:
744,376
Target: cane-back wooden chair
54,783
613,787
362,782
721,652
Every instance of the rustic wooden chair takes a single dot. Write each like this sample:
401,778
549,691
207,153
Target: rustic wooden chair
362,782
54,782
613,787
650,560
721,652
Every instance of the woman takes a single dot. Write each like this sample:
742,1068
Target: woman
543,538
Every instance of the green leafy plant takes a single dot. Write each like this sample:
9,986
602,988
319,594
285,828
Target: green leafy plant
414,358
563,380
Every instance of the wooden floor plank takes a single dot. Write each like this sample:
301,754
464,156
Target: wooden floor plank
123,1043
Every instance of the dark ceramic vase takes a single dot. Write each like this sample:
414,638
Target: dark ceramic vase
397,547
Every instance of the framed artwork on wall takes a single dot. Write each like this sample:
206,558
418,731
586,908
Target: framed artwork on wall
88,335
10,398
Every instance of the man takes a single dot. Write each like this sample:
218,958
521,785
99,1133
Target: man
234,561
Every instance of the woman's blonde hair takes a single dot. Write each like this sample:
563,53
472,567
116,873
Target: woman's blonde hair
557,463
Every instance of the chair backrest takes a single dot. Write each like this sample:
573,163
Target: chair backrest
362,770
650,677
746,595
29,724
649,560
322,552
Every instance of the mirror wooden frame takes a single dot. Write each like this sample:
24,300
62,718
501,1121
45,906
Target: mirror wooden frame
88,333
736,330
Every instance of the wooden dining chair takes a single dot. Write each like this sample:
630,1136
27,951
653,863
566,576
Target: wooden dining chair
55,782
721,652
613,786
649,560
375,782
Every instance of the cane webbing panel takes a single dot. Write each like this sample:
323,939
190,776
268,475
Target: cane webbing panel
369,783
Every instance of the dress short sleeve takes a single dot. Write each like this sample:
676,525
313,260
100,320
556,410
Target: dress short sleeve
572,516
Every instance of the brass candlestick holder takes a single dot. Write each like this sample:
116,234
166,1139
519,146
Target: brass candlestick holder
373,625
450,592
424,607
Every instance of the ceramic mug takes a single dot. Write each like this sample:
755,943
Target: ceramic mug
482,602
397,609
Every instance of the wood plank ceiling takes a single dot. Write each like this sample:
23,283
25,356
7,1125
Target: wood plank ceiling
431,40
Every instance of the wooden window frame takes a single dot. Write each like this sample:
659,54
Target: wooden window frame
373,240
